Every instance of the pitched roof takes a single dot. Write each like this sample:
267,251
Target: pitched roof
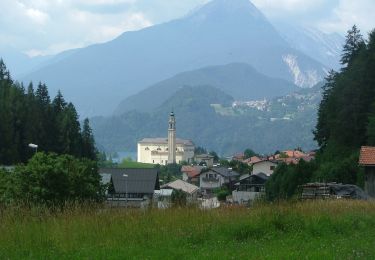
225,172
181,185
262,161
137,180
367,155
162,140
191,171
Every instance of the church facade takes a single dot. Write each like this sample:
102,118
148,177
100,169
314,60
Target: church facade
166,150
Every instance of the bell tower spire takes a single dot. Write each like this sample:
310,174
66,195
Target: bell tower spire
172,139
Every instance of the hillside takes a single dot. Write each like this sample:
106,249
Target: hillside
207,116
239,80
98,77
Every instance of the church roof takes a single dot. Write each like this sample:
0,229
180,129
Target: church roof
162,140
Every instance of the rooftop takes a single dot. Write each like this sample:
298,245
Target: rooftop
181,185
367,156
132,180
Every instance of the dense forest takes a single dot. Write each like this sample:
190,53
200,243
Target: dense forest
28,115
346,121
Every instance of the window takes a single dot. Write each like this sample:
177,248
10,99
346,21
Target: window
153,161
159,149
147,148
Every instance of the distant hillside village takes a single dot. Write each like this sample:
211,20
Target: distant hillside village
203,180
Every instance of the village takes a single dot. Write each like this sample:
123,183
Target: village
205,183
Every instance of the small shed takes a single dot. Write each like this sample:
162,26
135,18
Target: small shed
367,160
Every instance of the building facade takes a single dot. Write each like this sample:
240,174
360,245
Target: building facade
166,150
266,167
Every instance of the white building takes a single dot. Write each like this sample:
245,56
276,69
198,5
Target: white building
166,150
266,167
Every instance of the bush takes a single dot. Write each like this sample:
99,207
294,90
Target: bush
52,180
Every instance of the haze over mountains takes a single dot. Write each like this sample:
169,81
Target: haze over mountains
98,77
239,80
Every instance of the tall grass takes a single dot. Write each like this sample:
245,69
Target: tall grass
318,229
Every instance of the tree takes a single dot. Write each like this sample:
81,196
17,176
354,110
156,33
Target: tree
199,150
249,153
214,154
71,132
88,142
53,180
354,41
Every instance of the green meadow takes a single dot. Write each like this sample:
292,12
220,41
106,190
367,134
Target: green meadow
310,230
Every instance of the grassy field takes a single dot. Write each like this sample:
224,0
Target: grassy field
314,230
136,165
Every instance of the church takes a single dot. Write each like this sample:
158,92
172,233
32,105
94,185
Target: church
166,150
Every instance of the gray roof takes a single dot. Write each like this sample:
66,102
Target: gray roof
182,185
225,172
161,140
137,180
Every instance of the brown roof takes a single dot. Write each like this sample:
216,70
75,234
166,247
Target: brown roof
367,156
191,171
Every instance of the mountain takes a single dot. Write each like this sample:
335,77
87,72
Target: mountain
324,47
239,80
212,119
19,63
98,77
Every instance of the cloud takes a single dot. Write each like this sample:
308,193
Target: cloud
37,15
40,27
276,7
348,13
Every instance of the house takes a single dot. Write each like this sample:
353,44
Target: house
190,174
249,187
130,187
367,160
267,167
205,159
216,177
254,159
189,189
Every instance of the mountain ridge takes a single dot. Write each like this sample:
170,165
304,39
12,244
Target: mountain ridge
239,80
98,77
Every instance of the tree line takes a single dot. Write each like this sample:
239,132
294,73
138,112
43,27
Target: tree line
28,115
346,121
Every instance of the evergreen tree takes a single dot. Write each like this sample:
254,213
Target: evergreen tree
71,132
354,41
88,143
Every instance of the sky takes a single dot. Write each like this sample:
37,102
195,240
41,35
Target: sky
45,27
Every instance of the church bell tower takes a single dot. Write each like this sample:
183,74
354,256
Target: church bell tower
172,139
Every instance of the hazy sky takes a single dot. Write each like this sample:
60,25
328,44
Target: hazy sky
50,26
